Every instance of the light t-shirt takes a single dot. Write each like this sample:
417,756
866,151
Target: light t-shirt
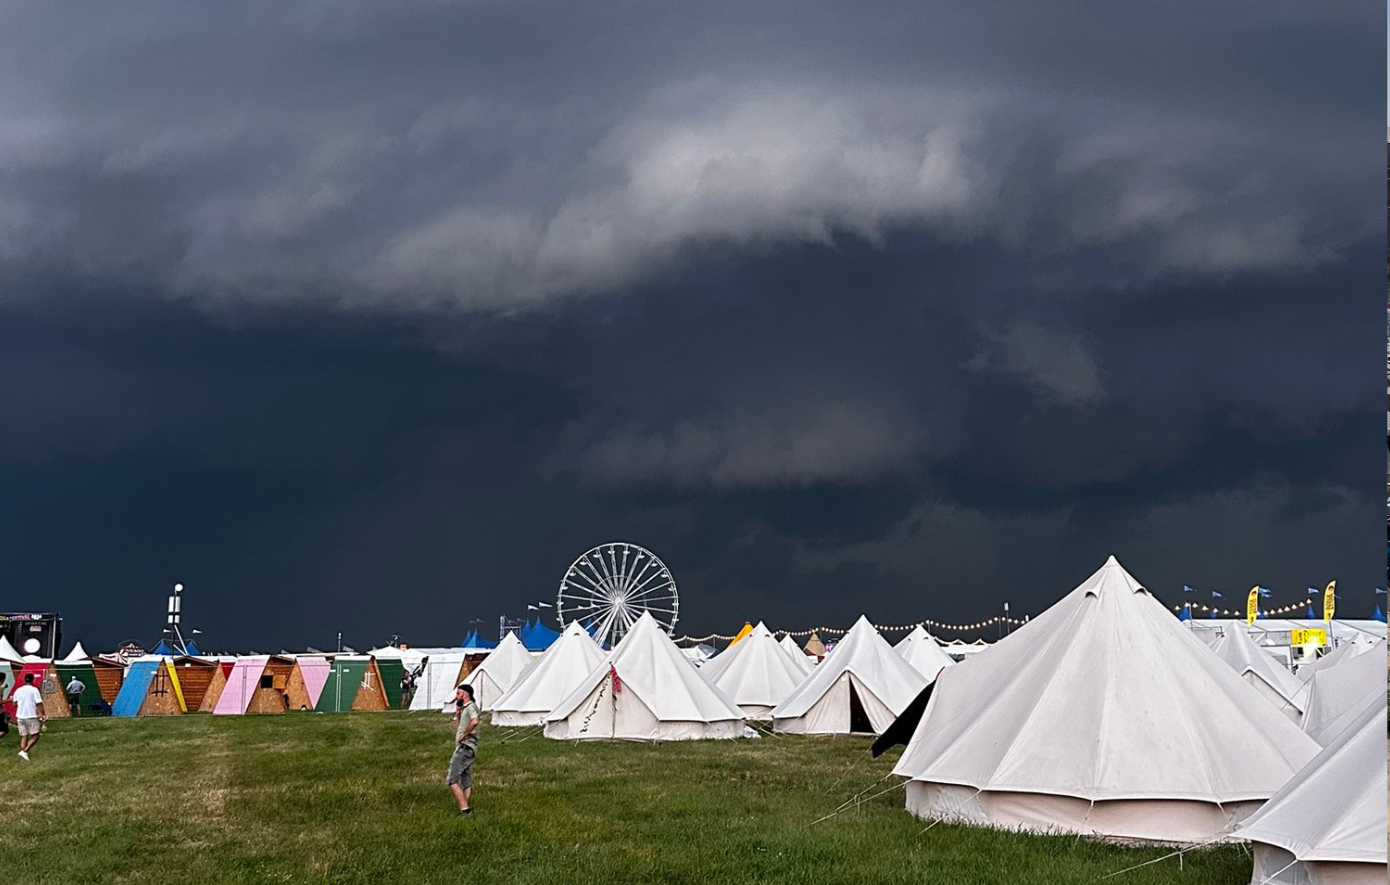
76,687
26,701
469,712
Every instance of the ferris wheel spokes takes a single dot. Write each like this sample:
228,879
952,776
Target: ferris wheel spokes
612,585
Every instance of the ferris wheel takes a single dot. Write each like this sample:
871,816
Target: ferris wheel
608,589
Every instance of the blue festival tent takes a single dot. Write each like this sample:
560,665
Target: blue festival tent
537,636
1378,615
473,640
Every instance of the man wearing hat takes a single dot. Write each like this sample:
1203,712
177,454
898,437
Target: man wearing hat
460,779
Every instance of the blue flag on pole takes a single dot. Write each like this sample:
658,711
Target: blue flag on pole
1215,595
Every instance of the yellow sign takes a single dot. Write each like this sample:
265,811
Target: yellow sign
1252,605
1308,637
1329,601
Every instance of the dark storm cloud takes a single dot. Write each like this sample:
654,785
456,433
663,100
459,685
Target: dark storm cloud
382,315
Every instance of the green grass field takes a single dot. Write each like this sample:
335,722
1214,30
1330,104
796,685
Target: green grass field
361,798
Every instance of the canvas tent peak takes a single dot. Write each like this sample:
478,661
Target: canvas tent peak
1258,667
860,687
9,652
645,689
757,674
497,673
920,649
1103,716
78,653
540,687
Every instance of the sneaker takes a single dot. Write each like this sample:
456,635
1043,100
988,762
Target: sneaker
23,755
464,812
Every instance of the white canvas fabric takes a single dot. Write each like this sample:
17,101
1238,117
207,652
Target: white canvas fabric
804,661
1102,716
658,696
756,673
556,673
1345,651
921,650
1336,694
9,652
1274,682
864,663
1327,824
497,673
1340,629
78,653
434,690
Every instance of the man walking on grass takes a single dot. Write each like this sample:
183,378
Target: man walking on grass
460,779
29,713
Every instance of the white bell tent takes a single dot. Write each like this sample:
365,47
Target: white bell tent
756,673
1326,826
1335,695
1275,682
1104,717
554,675
497,673
1345,651
860,688
804,661
922,651
645,690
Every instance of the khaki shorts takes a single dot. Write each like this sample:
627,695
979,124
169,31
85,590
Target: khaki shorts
461,767
27,727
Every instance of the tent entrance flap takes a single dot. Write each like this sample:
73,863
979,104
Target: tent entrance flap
858,717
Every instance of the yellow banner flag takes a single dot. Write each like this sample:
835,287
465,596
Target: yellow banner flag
1252,605
1329,601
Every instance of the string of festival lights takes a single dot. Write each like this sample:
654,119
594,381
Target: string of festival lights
1282,610
930,624
882,628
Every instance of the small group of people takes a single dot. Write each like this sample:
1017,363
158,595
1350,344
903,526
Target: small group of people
29,714
409,681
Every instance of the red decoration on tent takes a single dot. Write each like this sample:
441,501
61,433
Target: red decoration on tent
617,683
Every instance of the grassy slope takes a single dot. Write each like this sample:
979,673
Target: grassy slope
360,798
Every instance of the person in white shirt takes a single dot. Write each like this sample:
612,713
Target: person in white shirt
29,714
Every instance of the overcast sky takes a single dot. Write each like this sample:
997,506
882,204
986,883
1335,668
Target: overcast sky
372,317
